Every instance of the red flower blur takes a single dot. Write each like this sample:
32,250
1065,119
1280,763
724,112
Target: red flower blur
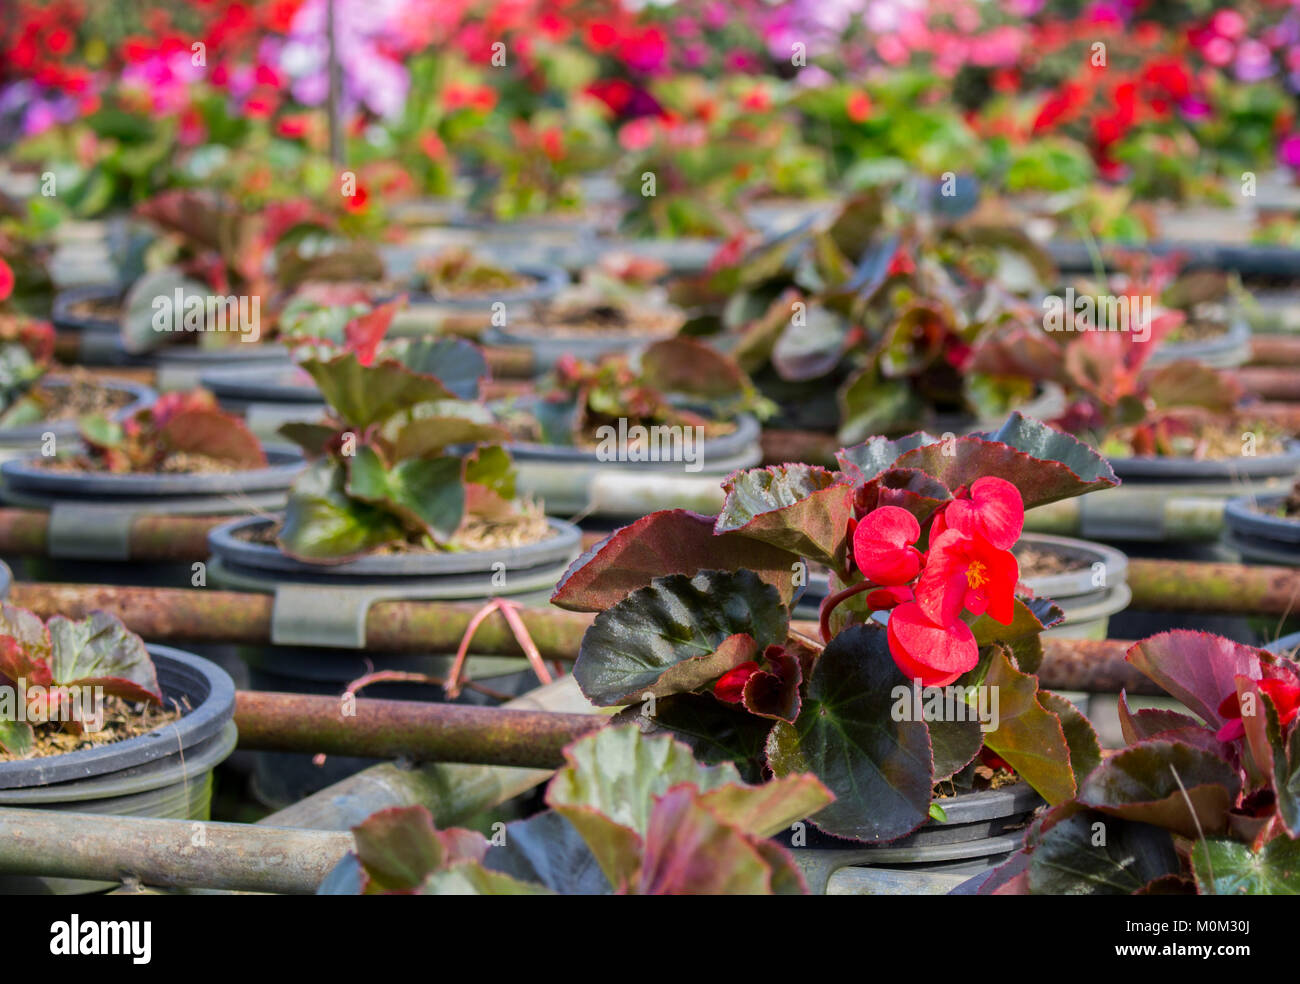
883,546
6,281
1285,697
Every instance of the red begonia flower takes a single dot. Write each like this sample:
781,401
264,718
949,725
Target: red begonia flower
991,507
886,598
882,546
731,685
993,760
934,654
1285,697
967,572
6,280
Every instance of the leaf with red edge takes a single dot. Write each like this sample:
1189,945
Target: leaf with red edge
863,462
1027,736
1080,737
363,333
1141,783
690,367
800,508
774,693
770,807
676,635
364,395
18,738
19,664
673,541
399,847
906,488
1190,384
1068,860
1147,722
214,434
879,768
690,851
99,651
1044,464
1197,668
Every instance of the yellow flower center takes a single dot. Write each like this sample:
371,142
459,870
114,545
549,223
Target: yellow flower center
975,575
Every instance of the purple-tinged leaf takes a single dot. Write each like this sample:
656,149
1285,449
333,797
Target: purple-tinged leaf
1197,668
1147,722
669,637
669,542
399,847
1142,783
99,651
800,508
1070,859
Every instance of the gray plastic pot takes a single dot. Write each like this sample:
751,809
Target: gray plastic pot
425,312
166,773
177,367
681,256
91,513
1224,477
980,831
549,347
1088,594
266,396
19,441
318,626
1226,351
1259,537
561,476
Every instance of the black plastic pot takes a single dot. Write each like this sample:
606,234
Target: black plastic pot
681,256
99,340
318,626
19,441
980,831
266,396
1262,537
166,773
562,476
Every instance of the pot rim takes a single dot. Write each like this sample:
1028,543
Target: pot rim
1178,469
262,557
283,466
215,708
1242,518
143,397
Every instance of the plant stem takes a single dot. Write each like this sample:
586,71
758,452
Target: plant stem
830,603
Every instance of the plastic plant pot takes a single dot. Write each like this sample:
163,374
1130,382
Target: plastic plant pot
266,396
1258,532
91,513
1225,351
979,831
562,476
166,773
549,346
318,626
16,442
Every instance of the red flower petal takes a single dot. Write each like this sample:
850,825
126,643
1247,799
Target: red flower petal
731,685
882,546
934,654
991,508
885,598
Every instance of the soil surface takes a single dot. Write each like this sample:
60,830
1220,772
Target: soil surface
599,320
1035,562
177,463
122,719
84,395
98,308
476,534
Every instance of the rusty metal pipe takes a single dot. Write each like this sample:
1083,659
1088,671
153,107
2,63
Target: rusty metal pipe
167,853
422,732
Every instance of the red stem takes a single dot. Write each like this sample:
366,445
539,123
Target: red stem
831,601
